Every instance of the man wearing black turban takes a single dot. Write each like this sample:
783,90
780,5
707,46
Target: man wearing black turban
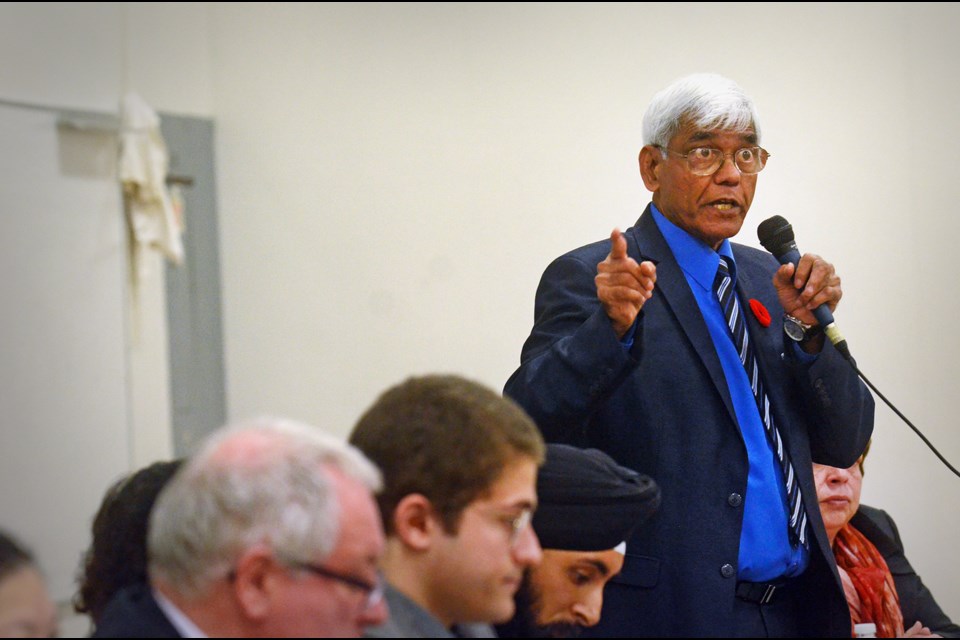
588,506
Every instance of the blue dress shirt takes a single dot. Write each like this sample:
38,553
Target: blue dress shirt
765,550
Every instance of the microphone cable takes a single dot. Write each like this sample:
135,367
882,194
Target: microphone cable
776,235
903,417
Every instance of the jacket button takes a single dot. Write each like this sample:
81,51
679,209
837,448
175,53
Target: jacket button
727,571
734,499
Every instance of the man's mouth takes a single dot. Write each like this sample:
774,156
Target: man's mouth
723,205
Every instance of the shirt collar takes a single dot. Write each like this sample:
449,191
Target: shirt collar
184,625
698,260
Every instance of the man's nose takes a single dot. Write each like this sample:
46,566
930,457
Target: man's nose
527,551
729,172
588,609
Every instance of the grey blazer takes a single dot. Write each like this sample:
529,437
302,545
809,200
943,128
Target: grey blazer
409,620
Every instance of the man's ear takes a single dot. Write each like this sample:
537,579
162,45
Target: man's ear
255,581
651,161
415,522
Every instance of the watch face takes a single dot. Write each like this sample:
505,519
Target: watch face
793,330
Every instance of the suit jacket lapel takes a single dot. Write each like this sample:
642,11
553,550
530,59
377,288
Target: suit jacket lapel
673,287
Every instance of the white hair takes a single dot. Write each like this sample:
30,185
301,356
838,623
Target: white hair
705,100
265,482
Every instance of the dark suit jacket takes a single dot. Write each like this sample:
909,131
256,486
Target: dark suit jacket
133,613
916,601
664,409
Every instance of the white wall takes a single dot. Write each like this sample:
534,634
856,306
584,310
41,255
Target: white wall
64,406
394,178
61,416
86,57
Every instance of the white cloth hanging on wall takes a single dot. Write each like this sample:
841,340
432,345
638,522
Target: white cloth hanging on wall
152,214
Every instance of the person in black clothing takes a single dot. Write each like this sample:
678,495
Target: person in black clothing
117,556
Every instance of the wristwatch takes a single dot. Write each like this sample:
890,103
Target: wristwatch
798,330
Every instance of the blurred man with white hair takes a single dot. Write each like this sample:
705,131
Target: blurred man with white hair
270,531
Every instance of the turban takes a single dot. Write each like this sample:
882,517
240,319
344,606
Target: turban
587,502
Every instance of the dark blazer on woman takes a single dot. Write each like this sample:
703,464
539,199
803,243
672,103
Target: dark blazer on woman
916,601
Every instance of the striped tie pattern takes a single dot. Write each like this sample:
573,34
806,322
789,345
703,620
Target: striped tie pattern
723,287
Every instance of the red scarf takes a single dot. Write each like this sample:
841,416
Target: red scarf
873,581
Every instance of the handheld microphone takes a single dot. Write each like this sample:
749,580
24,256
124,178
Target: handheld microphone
776,236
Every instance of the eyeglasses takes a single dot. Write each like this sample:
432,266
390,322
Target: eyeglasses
516,524
705,161
373,593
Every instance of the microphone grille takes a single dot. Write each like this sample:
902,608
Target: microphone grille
775,233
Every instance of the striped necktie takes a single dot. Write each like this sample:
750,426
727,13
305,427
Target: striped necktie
723,287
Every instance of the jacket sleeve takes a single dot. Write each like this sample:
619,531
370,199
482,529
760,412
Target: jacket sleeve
839,408
573,358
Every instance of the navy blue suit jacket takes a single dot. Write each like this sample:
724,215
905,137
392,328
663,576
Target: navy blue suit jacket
133,613
663,408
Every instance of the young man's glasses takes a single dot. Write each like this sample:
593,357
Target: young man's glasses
515,524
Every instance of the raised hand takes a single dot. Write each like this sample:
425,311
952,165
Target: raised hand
623,285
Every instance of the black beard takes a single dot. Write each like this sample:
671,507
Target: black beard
562,630
524,622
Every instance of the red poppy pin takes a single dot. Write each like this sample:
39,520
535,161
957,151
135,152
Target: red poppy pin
760,311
